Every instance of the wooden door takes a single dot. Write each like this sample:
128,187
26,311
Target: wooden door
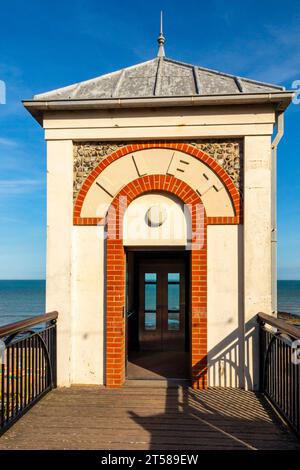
162,305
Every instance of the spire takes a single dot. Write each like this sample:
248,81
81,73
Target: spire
161,39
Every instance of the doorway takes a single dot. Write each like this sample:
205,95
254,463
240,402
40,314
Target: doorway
157,315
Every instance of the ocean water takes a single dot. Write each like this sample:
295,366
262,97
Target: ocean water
20,300
23,299
289,296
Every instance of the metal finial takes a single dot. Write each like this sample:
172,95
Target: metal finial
161,39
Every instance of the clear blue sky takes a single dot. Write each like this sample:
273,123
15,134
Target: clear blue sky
48,44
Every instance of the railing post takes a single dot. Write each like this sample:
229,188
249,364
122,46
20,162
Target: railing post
2,392
261,356
54,354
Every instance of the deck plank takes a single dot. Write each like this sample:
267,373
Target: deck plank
150,418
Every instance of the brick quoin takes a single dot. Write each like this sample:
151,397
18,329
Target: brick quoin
116,258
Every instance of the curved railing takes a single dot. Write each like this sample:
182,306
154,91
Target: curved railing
27,365
280,367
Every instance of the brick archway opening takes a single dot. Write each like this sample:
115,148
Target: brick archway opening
115,277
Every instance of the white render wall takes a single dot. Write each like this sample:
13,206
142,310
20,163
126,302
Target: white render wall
88,305
257,245
151,123
239,284
175,230
225,315
59,249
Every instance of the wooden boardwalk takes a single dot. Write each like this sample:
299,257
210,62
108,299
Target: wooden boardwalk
148,417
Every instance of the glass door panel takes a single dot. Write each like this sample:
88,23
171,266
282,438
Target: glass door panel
162,304
150,301
173,301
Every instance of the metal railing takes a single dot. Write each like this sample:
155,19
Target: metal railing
280,368
27,365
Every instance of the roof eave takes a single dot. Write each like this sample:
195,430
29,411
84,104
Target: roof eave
281,99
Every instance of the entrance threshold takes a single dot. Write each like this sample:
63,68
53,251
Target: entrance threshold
158,365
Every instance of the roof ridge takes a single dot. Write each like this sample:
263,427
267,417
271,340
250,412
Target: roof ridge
157,84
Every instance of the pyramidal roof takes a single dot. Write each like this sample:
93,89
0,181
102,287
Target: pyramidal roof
159,77
158,82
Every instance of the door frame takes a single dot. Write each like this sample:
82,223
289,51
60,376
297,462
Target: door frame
134,256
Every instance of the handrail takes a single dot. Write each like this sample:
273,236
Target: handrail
19,326
279,367
282,325
28,365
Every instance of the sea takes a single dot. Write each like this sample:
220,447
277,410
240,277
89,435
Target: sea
23,299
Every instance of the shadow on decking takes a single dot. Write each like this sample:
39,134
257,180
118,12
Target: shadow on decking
216,419
151,416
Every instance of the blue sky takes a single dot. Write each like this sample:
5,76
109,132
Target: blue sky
48,44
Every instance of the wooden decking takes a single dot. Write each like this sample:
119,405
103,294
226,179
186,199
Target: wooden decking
142,416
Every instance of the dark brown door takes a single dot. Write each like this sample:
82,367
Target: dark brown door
162,305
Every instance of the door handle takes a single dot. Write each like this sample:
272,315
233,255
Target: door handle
129,313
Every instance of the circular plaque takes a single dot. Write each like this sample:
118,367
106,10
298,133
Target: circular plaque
156,215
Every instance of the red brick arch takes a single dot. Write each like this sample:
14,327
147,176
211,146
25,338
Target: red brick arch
115,278
186,148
